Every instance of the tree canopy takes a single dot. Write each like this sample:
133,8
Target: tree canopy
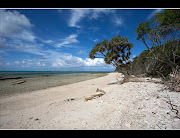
163,29
115,52
161,36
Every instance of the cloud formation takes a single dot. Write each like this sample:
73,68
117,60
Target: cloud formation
17,37
61,62
16,25
16,34
118,21
71,39
153,13
78,14
73,61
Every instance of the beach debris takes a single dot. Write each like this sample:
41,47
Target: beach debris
99,90
153,113
99,94
18,82
71,99
36,119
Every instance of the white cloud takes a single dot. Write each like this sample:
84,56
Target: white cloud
68,61
16,34
94,62
153,13
134,56
14,24
47,41
118,21
40,64
21,46
81,52
26,35
16,62
61,61
95,40
71,39
26,63
131,59
78,14
72,61
33,63
97,12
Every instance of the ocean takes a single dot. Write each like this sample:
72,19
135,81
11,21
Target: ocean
30,74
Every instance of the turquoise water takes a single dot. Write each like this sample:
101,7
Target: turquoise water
42,73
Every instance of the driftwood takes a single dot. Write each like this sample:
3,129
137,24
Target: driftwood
100,93
99,90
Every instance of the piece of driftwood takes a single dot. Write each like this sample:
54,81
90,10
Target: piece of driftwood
99,90
100,93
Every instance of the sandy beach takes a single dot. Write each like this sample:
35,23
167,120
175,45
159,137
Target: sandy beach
28,84
132,105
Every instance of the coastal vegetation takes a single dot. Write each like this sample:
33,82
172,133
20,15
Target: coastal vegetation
161,36
115,52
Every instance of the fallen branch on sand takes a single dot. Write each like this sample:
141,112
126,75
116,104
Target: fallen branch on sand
100,93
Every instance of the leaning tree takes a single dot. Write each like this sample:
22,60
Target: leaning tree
115,52
162,38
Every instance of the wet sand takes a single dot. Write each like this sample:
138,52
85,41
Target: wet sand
21,85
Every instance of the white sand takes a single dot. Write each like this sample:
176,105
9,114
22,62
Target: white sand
133,105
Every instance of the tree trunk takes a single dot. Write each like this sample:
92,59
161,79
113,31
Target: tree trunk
126,76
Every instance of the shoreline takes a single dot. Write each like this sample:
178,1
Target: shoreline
17,85
132,105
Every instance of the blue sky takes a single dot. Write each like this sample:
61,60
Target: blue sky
61,39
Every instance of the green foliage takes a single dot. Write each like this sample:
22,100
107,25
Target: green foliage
164,24
145,62
115,52
161,36
168,17
143,29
